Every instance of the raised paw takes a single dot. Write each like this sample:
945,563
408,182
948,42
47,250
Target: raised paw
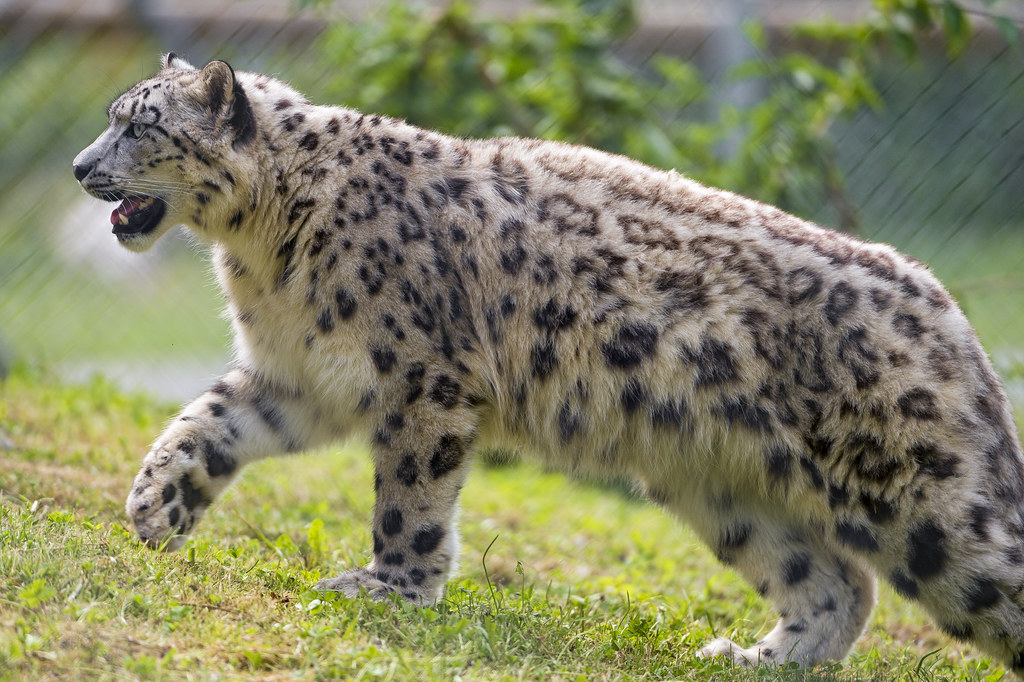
745,658
168,497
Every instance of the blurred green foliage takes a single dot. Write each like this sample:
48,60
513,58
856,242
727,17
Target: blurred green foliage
552,71
549,72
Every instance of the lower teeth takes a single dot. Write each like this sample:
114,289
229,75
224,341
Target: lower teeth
123,218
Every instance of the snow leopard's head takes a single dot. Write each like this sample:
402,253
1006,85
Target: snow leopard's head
173,152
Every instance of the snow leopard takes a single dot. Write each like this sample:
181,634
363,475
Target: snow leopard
817,408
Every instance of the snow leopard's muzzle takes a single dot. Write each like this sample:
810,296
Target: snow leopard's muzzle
107,170
137,215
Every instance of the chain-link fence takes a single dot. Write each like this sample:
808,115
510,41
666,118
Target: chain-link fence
937,170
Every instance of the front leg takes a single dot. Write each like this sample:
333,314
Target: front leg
420,460
241,419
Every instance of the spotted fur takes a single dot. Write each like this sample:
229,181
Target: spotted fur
816,407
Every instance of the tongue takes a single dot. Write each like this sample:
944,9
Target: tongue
127,207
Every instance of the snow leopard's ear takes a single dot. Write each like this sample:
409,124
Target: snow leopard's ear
216,86
219,92
173,61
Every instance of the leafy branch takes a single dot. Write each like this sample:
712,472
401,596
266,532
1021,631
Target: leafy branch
552,71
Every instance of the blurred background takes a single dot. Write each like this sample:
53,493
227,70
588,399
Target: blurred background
895,120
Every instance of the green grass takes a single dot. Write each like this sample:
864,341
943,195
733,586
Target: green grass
579,582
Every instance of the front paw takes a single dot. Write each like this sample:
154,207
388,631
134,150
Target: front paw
379,584
168,497
744,658
351,582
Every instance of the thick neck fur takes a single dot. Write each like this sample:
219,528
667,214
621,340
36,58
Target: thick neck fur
300,151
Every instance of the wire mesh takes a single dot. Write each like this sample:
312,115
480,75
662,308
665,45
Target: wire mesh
938,172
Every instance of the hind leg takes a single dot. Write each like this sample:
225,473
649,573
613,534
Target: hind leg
963,561
824,599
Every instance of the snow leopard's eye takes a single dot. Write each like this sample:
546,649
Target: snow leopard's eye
135,130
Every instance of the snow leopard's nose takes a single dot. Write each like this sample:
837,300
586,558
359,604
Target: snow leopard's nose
81,170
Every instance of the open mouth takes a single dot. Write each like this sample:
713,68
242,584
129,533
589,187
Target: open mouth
137,215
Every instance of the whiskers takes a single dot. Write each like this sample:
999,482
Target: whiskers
169,191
